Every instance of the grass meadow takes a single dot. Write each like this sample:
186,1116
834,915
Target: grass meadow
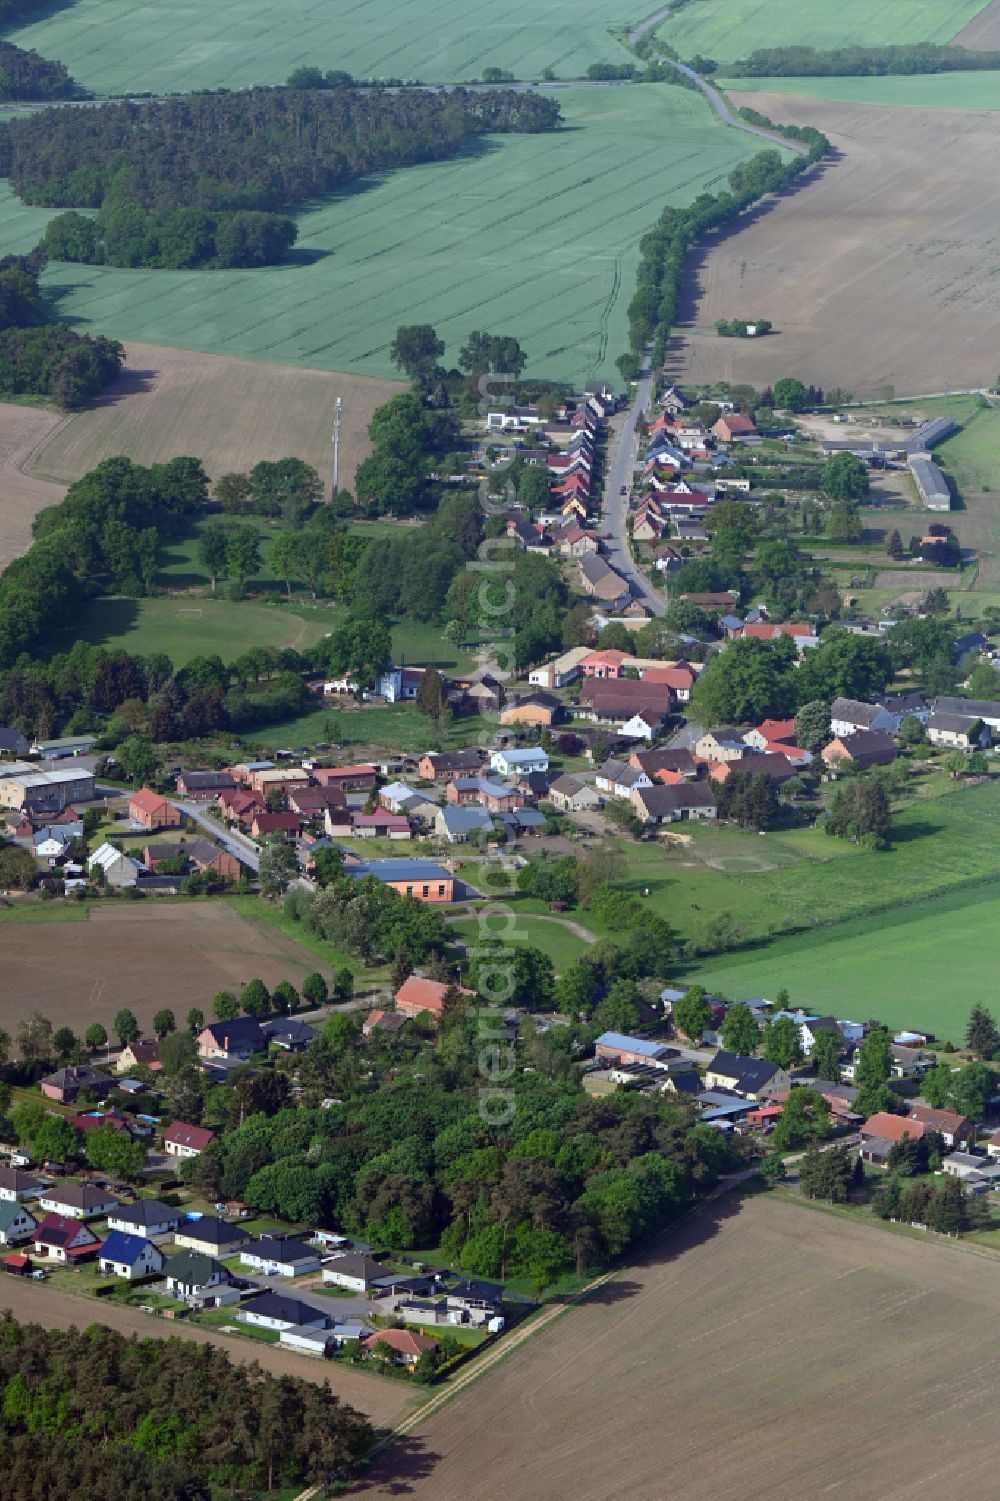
730,29
923,965
112,47
537,235
924,91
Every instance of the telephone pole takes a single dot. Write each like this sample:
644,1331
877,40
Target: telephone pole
337,410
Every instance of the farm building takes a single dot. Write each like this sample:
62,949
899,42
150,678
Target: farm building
151,811
931,484
23,785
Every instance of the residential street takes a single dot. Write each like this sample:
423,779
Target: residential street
236,843
621,466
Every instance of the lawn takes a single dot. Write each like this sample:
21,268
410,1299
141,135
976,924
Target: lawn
538,234
398,727
730,29
187,626
264,913
562,946
113,48
920,966
923,91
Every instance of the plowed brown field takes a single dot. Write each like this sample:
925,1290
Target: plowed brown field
773,1351
229,413
881,272
22,496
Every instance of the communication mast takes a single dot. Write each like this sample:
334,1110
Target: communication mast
337,411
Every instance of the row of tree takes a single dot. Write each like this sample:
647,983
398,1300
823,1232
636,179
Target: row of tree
902,59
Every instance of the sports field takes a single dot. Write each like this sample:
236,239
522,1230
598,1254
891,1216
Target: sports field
113,46
535,235
922,966
731,29
833,1358
923,91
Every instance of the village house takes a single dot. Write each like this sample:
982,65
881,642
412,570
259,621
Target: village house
514,763
770,764
571,795
66,1083
280,1256
147,1218
354,1271
151,811
988,710
560,671
288,1034
723,744
638,708
602,583
144,1052
688,801
406,1345
849,715
15,1223
231,1040
753,1078
733,427
129,1256
362,778
620,778
198,1279
485,792
182,1140
457,824
271,825
275,1311
443,767
956,1130
211,1236
204,786
953,732
863,749
64,1238
13,743
881,1132
17,1186
312,802
417,995
666,764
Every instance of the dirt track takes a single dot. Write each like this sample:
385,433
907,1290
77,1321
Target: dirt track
879,273
229,413
773,1350
382,1401
21,495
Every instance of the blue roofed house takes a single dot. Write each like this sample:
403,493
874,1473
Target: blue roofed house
618,1047
129,1256
456,824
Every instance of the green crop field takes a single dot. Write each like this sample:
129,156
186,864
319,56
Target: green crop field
925,91
923,966
114,47
730,29
537,235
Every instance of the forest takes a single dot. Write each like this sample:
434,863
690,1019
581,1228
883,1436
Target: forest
26,75
47,359
196,180
91,1413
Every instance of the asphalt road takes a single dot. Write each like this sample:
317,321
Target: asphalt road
237,844
620,472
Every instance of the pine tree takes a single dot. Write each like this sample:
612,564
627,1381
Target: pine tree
981,1035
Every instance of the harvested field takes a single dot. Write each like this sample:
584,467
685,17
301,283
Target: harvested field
983,32
912,91
22,496
227,412
829,1346
383,1401
144,956
867,289
908,578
